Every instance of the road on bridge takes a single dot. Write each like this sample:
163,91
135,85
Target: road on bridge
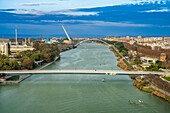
108,72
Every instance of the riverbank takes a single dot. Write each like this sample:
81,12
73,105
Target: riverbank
42,67
138,83
121,63
16,82
5,81
152,89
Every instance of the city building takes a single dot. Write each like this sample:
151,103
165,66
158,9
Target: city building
148,60
163,57
133,53
127,37
139,37
132,42
4,46
54,40
17,47
67,41
43,40
47,40
110,38
145,65
25,40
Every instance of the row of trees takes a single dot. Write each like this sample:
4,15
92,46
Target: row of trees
45,52
137,62
156,80
129,47
120,47
155,67
6,64
149,52
146,50
142,46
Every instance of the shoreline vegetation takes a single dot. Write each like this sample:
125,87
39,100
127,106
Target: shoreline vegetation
145,83
45,54
17,79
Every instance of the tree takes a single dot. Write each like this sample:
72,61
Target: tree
124,52
130,56
28,64
3,63
46,57
36,46
138,56
14,65
138,62
35,57
129,47
159,63
23,58
3,56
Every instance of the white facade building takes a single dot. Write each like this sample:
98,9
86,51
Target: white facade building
148,60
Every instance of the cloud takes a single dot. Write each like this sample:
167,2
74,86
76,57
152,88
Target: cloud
53,21
78,13
143,2
99,23
157,11
104,16
33,12
119,24
37,4
66,12
73,4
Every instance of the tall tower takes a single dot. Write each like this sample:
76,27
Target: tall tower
25,40
29,41
66,33
41,36
16,35
163,38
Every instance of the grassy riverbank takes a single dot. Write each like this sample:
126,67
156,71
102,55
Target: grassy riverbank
122,63
149,89
142,84
166,78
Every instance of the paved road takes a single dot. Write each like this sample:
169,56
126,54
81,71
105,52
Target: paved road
160,90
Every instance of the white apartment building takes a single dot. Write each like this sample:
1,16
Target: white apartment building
4,46
4,49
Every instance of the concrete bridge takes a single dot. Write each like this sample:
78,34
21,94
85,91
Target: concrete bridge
99,72
93,39
92,45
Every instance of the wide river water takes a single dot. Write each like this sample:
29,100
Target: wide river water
79,93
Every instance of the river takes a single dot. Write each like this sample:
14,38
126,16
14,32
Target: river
79,93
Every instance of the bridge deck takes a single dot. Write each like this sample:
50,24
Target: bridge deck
92,45
111,72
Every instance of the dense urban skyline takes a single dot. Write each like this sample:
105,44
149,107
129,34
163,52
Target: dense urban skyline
85,18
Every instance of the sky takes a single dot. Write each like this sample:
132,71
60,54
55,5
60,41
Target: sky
84,18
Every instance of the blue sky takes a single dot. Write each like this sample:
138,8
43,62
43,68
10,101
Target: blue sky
85,18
